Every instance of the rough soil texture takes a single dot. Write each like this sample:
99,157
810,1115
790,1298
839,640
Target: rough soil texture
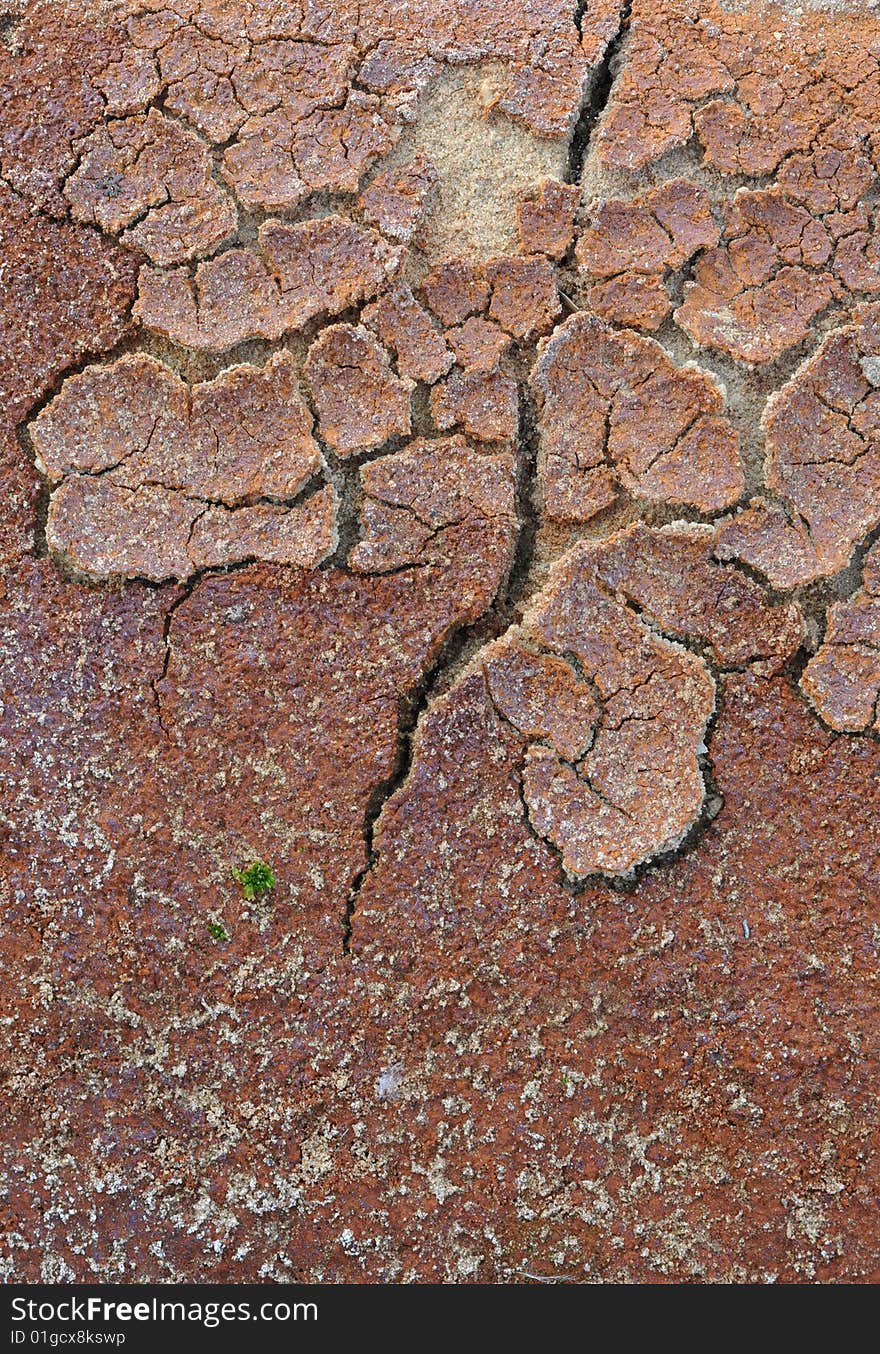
440,451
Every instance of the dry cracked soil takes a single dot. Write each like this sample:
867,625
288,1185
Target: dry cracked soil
440,459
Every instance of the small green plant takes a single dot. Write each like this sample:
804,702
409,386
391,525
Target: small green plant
255,879
216,931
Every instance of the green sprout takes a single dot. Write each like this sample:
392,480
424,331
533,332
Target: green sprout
216,931
256,879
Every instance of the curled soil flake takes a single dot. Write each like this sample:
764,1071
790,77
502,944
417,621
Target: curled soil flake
315,267
154,478
843,679
617,413
613,709
546,218
755,296
440,503
628,247
823,463
406,328
484,404
149,180
359,400
398,204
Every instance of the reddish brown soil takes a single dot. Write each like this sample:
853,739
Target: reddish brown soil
518,605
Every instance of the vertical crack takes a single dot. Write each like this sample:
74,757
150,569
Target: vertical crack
411,707
184,594
526,505
497,617
597,95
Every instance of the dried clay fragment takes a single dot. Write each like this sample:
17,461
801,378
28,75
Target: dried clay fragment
617,413
455,290
479,345
546,89
546,218
247,433
672,577
611,776
524,301
279,84
756,295
754,85
303,534
670,66
279,157
295,273
833,182
197,63
613,713
546,59
102,529
629,246
129,83
843,679
359,401
398,203
823,91
440,503
823,463
150,179
406,328
155,479
484,404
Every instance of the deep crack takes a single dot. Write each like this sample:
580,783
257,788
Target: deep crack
598,93
497,618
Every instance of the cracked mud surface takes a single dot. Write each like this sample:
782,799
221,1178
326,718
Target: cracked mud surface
441,459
